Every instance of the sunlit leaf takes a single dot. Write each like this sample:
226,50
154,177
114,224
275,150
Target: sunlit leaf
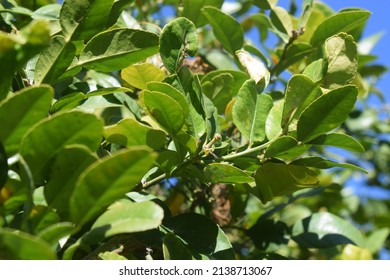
224,173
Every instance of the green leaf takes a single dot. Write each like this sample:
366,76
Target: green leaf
250,112
112,256
226,29
295,53
325,230
82,19
116,49
129,132
105,181
178,39
316,70
18,245
138,75
52,234
326,113
54,60
42,143
273,122
345,21
202,235
116,10
225,173
341,54
376,239
64,174
174,248
172,92
339,140
20,112
192,10
165,110
300,92
17,49
322,163
278,179
281,19
281,146
3,166
127,217
221,85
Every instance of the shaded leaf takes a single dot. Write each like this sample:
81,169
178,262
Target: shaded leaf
116,10
52,234
164,109
322,163
273,122
54,60
50,136
226,29
28,247
250,112
295,53
174,248
192,10
178,39
281,146
316,70
20,112
3,166
224,173
281,19
105,181
129,132
117,48
326,113
278,179
324,230
82,19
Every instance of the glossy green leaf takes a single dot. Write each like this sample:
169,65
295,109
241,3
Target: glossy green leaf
127,217
28,247
225,173
339,140
105,181
345,21
278,179
300,92
172,92
178,39
326,113
129,132
42,143
192,10
17,49
52,234
281,19
64,174
222,85
116,10
54,60
202,235
324,230
82,19
117,48
226,29
322,163
250,112
174,248
165,110
20,112
341,54
138,75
